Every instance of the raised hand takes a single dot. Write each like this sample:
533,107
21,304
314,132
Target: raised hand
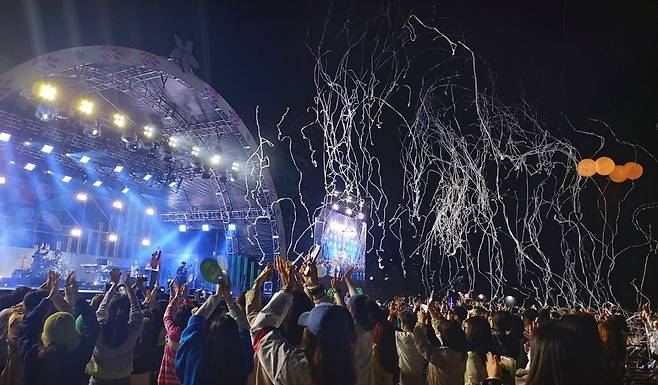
54,276
335,284
309,272
115,276
494,368
348,273
126,277
263,276
173,289
285,273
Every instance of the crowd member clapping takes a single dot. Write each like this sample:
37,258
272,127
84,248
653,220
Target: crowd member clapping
326,355
52,350
121,322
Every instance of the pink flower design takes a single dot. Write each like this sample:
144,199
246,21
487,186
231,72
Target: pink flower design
150,60
45,63
110,53
235,118
211,94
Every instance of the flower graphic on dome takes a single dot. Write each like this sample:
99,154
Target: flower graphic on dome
182,55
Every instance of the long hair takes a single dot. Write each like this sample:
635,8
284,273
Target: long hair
553,357
361,312
614,345
226,360
588,345
332,362
115,330
452,335
478,336
290,330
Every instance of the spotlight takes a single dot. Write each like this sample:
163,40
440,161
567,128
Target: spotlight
117,205
182,228
45,113
81,197
112,237
91,129
235,166
231,227
5,136
146,242
98,183
150,211
66,179
86,107
29,166
214,160
149,131
205,227
118,168
195,151
84,159
119,120
360,216
47,148
335,207
3,180
172,184
46,91
76,232
348,211
147,177
125,190
173,142
27,143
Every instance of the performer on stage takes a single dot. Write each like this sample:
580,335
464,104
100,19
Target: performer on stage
154,267
181,274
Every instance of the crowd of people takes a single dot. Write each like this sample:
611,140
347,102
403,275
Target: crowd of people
133,335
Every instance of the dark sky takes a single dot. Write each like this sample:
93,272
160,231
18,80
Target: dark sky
577,59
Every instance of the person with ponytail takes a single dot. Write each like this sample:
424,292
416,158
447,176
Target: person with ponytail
326,354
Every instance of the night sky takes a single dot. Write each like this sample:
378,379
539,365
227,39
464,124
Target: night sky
575,60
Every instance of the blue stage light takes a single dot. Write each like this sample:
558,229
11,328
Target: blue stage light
5,136
205,227
47,148
66,179
182,228
125,190
84,159
231,227
29,166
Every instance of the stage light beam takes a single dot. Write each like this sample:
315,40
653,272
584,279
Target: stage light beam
150,211
146,242
117,205
86,107
81,197
113,238
76,232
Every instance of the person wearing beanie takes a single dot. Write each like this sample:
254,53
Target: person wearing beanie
55,352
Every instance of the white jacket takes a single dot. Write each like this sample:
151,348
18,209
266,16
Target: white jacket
285,364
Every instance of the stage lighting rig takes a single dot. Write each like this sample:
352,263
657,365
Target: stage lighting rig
119,120
86,107
91,129
46,91
149,131
45,113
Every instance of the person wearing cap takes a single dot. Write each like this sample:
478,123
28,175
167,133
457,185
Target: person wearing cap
55,352
326,355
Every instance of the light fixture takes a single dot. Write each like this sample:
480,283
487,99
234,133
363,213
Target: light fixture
205,227
172,184
214,160
235,166
45,113
3,180
125,190
5,136
348,211
76,232
112,237
117,205
85,159
150,211
146,242
360,216
149,131
46,91
92,130
119,120
118,168
195,151
182,228
29,166
231,227
147,177
86,107
98,183
81,197
66,179
47,148
49,172
335,207
27,143
173,142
